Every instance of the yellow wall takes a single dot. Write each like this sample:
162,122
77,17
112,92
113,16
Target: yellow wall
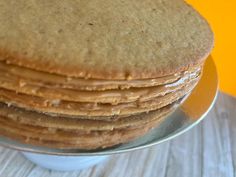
221,14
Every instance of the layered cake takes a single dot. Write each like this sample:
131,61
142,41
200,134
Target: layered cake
93,74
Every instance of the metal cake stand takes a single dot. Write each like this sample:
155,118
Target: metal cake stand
189,114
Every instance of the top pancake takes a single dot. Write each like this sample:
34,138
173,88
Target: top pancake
103,39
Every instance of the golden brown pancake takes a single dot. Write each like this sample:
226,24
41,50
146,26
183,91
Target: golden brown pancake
24,76
104,39
81,124
71,140
108,96
92,110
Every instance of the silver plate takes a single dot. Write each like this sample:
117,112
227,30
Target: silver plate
189,114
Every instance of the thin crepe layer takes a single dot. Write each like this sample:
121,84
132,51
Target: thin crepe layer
80,124
91,110
63,139
107,96
44,79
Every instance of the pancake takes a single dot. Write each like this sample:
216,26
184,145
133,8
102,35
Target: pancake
71,140
104,39
25,76
80,124
107,96
91,110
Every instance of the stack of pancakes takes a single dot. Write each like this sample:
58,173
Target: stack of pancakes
94,74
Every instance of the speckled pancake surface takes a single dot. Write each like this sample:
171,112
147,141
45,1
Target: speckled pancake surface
104,39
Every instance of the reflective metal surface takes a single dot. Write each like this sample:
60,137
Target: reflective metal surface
191,112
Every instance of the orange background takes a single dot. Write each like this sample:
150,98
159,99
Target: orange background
221,15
